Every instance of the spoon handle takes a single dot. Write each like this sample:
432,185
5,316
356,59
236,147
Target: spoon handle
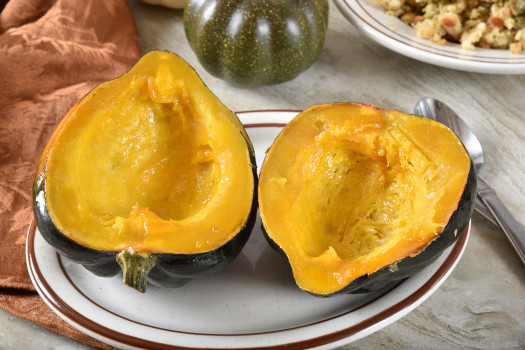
514,231
482,209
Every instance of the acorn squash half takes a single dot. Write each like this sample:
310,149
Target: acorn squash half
357,197
150,170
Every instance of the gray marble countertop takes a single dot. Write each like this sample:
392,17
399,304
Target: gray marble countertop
481,305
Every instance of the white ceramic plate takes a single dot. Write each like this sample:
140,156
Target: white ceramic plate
394,34
252,303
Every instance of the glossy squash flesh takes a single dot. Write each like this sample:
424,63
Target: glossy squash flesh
150,163
349,189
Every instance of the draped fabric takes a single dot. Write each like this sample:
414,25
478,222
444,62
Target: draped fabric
52,52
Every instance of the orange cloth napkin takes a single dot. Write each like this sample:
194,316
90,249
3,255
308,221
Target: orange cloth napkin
52,52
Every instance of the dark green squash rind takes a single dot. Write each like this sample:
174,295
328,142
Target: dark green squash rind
230,42
100,263
392,274
170,271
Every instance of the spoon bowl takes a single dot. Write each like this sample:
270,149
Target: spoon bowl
487,202
431,108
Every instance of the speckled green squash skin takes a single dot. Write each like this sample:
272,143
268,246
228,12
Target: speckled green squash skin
256,42
390,275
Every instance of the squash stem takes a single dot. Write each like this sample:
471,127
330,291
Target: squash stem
135,267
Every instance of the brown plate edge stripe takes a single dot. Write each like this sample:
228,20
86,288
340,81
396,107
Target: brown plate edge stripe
118,337
355,308
71,314
268,110
74,316
121,338
265,125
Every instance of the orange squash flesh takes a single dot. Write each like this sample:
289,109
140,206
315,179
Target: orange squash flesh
150,162
347,189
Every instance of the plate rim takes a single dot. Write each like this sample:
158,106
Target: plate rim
362,327
449,55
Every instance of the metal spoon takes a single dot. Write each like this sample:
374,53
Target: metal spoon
433,109
487,198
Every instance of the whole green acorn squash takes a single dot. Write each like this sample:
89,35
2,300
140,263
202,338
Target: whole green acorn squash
357,197
149,171
255,42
